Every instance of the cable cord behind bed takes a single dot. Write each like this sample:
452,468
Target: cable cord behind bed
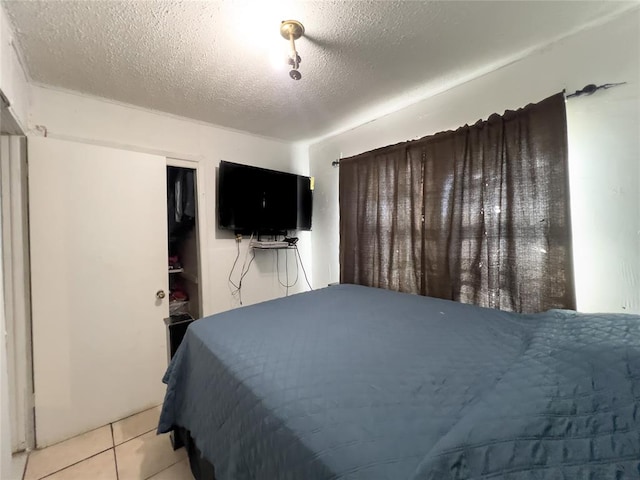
233,267
237,291
286,284
303,270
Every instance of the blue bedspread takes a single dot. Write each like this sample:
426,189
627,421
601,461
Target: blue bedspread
352,382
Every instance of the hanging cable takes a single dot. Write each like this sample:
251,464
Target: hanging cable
229,281
287,285
237,292
303,270
246,255
253,256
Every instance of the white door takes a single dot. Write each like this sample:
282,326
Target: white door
98,231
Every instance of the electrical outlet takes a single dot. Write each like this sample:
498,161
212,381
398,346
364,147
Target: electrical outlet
238,238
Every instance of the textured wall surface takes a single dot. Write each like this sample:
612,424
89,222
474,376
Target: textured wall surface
13,80
211,61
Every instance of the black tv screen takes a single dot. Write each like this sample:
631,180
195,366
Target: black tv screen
258,200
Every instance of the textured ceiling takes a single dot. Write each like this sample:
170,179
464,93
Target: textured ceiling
212,60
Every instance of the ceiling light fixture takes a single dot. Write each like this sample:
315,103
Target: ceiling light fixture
292,30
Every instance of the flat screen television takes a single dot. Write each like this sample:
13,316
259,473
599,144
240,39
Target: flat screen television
261,201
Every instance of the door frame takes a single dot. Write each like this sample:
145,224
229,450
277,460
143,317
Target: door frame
17,283
201,219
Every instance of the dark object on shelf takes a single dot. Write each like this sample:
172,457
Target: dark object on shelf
178,294
176,329
178,308
174,262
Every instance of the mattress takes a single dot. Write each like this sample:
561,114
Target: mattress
351,382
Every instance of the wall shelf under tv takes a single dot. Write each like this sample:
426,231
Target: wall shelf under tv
269,245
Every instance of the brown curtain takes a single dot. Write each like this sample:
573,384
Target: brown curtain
383,227
478,215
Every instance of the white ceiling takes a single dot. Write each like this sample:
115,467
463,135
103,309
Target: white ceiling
212,60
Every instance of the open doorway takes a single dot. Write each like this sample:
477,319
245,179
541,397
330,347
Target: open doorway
185,248
185,298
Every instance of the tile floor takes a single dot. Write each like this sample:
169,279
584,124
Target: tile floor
125,450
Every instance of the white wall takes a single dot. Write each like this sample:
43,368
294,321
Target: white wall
86,119
603,148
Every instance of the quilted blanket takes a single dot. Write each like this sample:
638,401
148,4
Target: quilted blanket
351,382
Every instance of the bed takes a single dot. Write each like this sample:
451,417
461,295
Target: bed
351,382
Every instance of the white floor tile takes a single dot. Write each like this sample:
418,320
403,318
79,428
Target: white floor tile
18,462
179,471
100,467
136,425
56,457
146,455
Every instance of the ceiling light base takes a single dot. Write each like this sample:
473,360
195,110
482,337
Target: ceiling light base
291,28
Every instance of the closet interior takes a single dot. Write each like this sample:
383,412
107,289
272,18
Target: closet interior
183,262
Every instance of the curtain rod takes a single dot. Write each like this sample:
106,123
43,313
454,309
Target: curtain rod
592,88
587,90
